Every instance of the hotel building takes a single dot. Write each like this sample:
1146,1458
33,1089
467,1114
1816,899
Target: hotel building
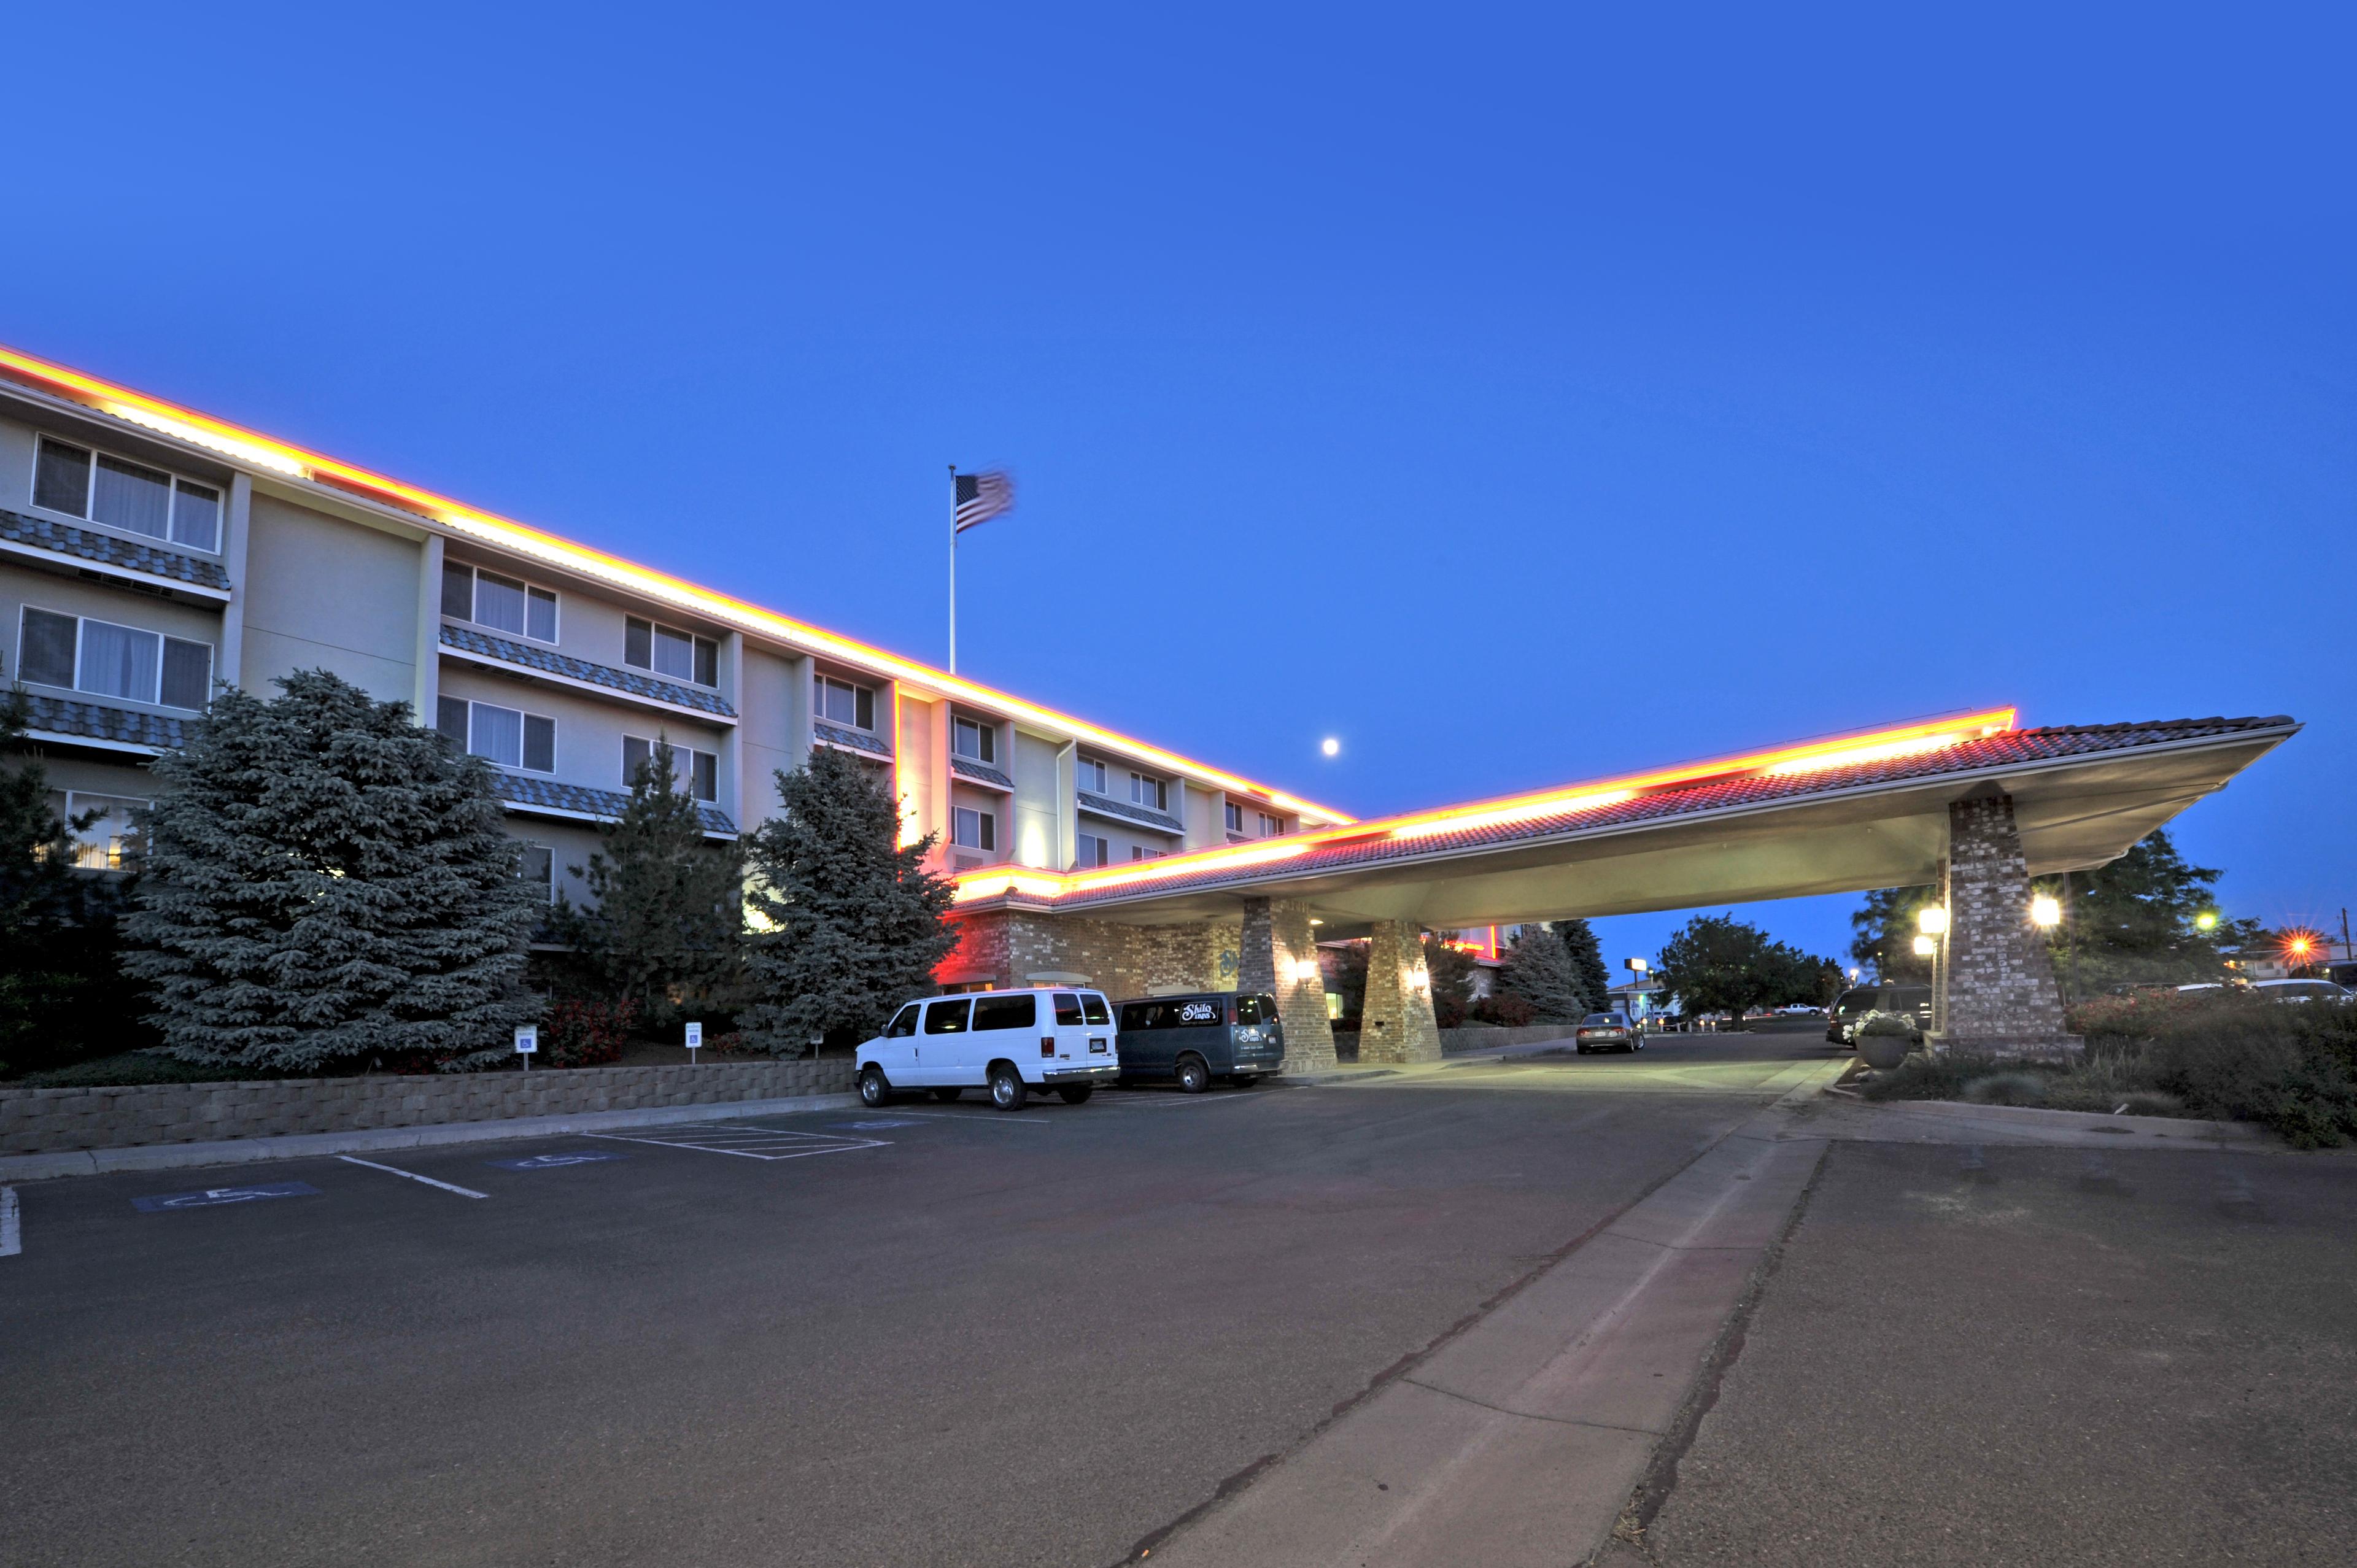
150,554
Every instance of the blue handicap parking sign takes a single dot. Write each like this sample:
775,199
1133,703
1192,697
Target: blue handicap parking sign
217,1195
551,1162
871,1126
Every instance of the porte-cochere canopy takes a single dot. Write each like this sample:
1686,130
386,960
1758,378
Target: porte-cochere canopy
1833,815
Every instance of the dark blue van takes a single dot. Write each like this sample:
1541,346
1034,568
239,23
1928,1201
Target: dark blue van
1197,1037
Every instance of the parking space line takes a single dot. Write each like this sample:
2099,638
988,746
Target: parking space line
749,1143
395,1170
996,1119
12,1225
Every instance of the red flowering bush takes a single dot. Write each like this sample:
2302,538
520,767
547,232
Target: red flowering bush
1504,1009
585,1034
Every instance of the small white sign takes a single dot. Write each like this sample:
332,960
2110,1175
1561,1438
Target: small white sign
527,1039
694,1035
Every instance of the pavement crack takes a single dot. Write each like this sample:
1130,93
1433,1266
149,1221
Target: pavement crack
1530,1415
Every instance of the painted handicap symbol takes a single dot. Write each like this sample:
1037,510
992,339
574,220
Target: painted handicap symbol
169,1202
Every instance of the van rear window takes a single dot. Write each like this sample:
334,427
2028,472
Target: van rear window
1095,1009
1068,1008
1255,1010
1016,1012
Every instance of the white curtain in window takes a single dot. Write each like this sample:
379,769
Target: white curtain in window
498,735
128,496
117,661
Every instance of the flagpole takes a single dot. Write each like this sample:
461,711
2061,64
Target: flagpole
954,568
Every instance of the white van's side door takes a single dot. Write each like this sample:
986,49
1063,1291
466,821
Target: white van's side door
942,1042
1005,1025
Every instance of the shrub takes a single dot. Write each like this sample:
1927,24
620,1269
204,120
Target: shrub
2016,1088
1887,1023
586,1034
1505,1009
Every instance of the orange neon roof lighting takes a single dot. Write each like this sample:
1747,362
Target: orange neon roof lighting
251,447
1807,756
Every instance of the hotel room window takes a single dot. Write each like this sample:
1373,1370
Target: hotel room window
508,736
130,496
974,830
1271,826
667,651
109,660
841,703
1153,792
1235,818
1093,777
499,602
693,773
1092,850
968,737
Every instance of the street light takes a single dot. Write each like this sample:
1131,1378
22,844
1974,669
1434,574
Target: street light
1932,919
2206,921
2045,913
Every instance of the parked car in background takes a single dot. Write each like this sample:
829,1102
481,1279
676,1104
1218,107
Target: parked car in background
1009,1042
1608,1032
2300,990
1204,1035
1913,1002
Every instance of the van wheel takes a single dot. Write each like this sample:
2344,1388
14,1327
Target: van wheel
948,1096
1076,1093
875,1089
1008,1090
1194,1075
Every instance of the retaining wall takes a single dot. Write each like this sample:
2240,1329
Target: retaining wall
50,1121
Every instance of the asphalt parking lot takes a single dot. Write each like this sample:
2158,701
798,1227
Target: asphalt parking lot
923,1335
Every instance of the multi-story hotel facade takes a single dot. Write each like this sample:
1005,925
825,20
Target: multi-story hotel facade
150,555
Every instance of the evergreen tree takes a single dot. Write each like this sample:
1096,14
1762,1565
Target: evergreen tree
1538,968
847,923
325,884
2132,921
666,919
1886,930
1587,960
61,995
1450,969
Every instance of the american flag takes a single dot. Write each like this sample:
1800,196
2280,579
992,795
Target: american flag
980,497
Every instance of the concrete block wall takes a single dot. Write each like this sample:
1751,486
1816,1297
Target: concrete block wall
1995,988
51,1121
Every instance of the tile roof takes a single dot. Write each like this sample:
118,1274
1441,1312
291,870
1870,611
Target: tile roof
549,662
982,773
1369,842
60,715
106,550
857,740
525,790
1105,806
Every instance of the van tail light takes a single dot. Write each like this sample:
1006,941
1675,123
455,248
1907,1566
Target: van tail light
1047,1045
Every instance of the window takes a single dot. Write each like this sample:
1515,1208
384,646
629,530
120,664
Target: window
841,703
969,738
1235,818
682,655
946,1017
129,496
1093,1008
1255,1009
110,660
1068,1010
693,773
1152,792
903,1025
1092,850
1270,826
1137,852
109,842
504,604
505,736
1019,1011
536,868
974,830
1093,777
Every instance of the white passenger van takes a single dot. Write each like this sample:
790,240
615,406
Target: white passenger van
1009,1042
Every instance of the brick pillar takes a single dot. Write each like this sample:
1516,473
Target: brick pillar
1994,987
1397,1022
1275,955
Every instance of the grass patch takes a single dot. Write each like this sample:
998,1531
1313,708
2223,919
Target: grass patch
2221,1057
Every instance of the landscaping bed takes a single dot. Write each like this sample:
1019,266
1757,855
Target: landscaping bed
2215,1056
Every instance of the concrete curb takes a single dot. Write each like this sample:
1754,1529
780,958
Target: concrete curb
1952,1121
299,1146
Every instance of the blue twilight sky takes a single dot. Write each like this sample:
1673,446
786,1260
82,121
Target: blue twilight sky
1516,394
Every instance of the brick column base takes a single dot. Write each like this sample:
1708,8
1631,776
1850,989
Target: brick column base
1398,1024
1277,956
1994,990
